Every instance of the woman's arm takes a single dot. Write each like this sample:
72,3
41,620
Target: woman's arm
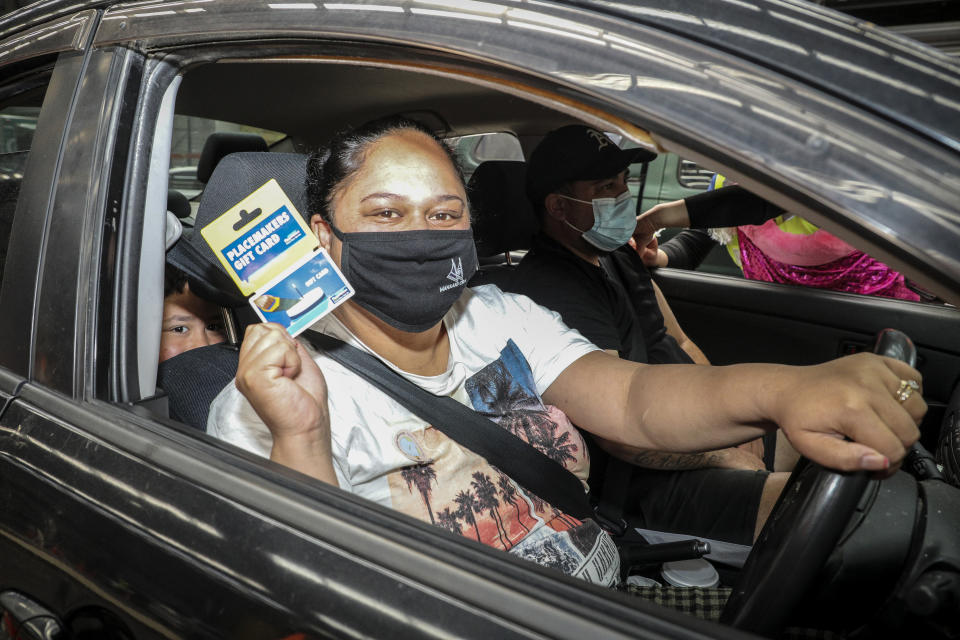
683,408
725,207
287,390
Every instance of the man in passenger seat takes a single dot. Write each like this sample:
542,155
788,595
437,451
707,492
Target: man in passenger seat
581,267
389,203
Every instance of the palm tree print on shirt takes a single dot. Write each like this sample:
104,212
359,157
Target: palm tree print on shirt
504,391
466,495
467,502
557,448
487,499
421,476
508,491
495,395
450,520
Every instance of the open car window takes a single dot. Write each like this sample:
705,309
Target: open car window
198,116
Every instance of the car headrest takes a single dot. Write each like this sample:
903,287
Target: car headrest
177,204
503,218
221,144
172,231
237,176
192,380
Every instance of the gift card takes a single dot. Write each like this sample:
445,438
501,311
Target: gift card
260,237
303,294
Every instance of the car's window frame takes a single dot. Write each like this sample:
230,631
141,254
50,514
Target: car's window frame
53,49
585,112
457,553
519,578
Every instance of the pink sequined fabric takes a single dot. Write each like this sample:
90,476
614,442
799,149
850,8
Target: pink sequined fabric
854,273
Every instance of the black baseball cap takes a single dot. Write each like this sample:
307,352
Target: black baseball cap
576,152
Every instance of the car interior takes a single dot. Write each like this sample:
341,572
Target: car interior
302,100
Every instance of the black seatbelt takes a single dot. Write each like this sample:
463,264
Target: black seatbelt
524,464
612,502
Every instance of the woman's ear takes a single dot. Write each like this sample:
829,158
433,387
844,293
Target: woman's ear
322,229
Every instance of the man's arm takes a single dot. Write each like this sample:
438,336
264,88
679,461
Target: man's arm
683,408
673,329
287,390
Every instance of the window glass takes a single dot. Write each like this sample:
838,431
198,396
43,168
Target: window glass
17,125
190,134
693,176
478,148
18,122
182,319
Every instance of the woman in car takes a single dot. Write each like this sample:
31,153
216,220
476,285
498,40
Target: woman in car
389,203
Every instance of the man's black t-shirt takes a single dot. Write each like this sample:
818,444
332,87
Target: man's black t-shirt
614,306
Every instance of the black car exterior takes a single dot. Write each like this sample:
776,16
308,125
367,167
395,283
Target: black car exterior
118,522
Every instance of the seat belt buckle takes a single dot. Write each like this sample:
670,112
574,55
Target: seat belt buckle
616,528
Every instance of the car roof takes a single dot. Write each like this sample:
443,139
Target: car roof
895,77
761,89
42,11
893,74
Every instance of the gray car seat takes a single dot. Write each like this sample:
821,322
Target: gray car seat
235,177
504,222
193,379
221,144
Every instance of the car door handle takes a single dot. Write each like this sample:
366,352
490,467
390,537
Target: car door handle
23,619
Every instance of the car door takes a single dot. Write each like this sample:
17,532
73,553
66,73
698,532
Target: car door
102,528
41,69
118,517
120,523
736,320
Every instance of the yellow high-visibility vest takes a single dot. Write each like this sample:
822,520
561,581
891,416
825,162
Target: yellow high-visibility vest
789,223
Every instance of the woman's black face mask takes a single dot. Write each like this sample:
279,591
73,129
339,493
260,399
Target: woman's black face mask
408,279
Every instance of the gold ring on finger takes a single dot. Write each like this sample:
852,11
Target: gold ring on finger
905,390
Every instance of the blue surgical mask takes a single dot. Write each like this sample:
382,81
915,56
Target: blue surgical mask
614,221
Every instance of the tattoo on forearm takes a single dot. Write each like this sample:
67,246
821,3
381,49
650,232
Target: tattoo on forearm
675,461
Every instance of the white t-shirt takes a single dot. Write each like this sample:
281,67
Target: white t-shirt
505,351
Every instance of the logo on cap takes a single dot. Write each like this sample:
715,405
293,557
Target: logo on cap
602,140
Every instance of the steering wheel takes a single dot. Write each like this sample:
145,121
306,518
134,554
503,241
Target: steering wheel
801,532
